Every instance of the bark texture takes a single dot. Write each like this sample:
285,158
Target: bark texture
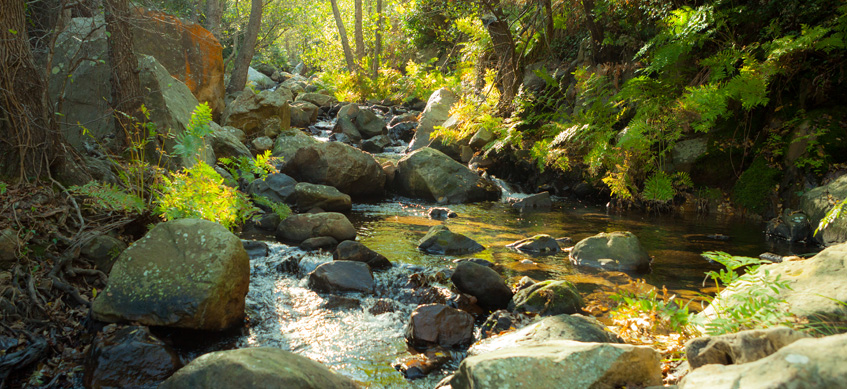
509,73
342,34
377,39
126,87
238,79
358,33
214,16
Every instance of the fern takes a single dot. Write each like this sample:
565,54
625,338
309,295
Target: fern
281,210
190,144
108,197
659,187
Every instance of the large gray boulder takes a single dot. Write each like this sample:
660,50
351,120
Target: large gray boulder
346,168
553,328
482,282
265,113
817,202
342,276
289,141
437,111
303,114
327,198
430,174
621,251
440,240
818,291
277,187
187,273
561,364
259,80
806,363
297,228
740,347
258,367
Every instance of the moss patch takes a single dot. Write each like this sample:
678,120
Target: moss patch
755,185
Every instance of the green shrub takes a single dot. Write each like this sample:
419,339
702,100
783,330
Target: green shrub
755,185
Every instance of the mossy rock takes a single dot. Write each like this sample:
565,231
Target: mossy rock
548,298
755,185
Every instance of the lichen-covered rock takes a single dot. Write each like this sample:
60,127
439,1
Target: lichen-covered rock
128,357
738,348
342,276
621,251
553,328
806,363
346,168
265,113
538,245
297,228
186,273
350,250
561,364
482,282
440,240
439,325
548,298
257,367
430,174
289,141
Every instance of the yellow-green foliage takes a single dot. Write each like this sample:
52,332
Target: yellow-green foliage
108,197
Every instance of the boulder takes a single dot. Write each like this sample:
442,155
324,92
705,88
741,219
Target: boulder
255,367
189,52
437,111
376,144
297,228
318,99
429,174
265,69
482,137
225,142
255,248
368,124
620,251
791,226
537,202
740,347
346,122
264,113
350,250
103,250
550,329
318,243
440,213
308,196
348,169
817,291
818,201
186,273
482,282
289,141
440,240
537,245
303,114
562,364
262,143
277,187
806,363
342,276
439,325
548,298
128,357
259,80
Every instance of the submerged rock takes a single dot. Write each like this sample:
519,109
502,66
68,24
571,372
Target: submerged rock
350,250
297,228
621,251
738,348
806,363
483,283
548,298
430,174
257,367
439,325
539,245
561,364
128,357
186,273
440,240
342,276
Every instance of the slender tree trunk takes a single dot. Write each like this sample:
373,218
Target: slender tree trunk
596,34
548,10
238,79
214,16
126,88
358,33
342,34
377,39
508,66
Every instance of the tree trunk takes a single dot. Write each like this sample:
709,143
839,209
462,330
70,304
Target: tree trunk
214,16
342,34
548,10
596,34
238,79
508,66
359,34
377,39
27,128
126,88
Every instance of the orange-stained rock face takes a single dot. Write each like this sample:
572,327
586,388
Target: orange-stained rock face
190,53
